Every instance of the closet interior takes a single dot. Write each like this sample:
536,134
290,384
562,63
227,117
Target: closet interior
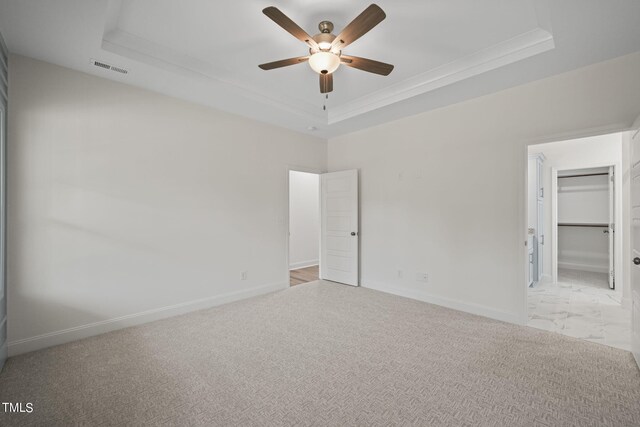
586,221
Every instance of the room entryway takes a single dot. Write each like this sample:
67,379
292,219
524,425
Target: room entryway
323,227
577,238
584,221
304,227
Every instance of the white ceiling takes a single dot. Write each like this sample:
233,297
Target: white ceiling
444,51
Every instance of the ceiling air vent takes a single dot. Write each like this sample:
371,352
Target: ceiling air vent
109,67
119,70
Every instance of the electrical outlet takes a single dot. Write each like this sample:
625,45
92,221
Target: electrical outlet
422,277
243,275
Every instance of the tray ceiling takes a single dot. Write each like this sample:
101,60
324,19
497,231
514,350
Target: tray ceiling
208,52
432,43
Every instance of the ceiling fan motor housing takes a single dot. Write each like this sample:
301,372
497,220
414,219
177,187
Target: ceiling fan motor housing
325,26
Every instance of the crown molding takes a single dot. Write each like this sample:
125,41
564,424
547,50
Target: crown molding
515,49
141,50
523,46
130,46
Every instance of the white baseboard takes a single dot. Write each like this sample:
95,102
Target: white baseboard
84,331
480,310
545,278
303,264
583,267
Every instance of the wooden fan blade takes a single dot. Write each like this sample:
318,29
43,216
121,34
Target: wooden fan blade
326,83
368,65
364,22
283,63
291,27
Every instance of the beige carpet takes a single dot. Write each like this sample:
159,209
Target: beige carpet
328,355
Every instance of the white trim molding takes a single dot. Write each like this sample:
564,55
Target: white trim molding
477,309
96,328
537,39
303,264
516,49
136,48
583,267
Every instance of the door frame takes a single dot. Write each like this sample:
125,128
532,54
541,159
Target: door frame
635,295
355,231
523,232
618,243
287,220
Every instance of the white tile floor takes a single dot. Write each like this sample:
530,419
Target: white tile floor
582,306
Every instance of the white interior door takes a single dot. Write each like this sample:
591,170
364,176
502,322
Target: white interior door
612,229
339,227
635,241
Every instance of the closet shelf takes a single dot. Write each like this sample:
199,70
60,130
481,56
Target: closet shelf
581,224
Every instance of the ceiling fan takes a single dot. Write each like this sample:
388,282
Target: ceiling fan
325,49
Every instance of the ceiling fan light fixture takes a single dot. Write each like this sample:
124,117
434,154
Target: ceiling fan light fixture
325,48
324,62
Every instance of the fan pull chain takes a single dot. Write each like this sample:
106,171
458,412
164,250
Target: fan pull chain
324,107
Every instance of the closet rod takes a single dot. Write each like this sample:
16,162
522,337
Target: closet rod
586,174
575,224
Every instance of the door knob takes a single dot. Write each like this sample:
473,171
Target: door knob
636,261
353,233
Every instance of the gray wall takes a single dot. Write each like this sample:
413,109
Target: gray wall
126,205
444,192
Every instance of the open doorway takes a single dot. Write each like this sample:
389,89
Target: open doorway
585,225
576,284
304,227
